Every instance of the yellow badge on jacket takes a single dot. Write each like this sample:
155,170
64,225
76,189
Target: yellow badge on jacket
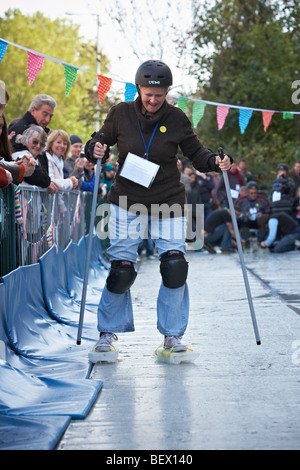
163,129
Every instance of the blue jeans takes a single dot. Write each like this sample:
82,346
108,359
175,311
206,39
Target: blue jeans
287,243
220,235
115,313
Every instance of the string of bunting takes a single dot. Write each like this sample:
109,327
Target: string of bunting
36,60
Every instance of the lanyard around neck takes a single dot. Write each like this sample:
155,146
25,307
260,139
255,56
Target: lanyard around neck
150,142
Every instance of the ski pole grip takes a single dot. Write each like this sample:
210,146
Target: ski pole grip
102,139
221,153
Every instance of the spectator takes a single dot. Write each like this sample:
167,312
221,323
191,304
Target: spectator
89,171
236,180
295,174
283,232
193,199
146,246
108,176
206,185
282,191
34,140
4,96
40,113
24,167
250,206
74,164
5,177
57,149
243,191
218,231
242,167
296,206
216,179
184,178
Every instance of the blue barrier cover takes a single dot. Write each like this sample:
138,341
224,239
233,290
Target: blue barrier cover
34,335
74,255
43,371
31,433
58,300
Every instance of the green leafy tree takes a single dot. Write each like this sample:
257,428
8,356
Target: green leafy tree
60,39
246,53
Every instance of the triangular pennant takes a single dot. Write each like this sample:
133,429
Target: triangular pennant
222,112
267,116
130,91
198,111
244,118
103,86
288,115
70,77
3,47
34,65
182,103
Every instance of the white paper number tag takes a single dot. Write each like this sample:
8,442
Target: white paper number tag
276,196
139,170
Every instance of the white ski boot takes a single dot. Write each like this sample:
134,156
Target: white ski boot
172,351
104,350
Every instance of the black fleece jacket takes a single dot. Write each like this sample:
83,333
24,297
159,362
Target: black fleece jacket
174,131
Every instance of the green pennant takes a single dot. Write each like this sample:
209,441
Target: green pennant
182,103
198,111
288,115
70,76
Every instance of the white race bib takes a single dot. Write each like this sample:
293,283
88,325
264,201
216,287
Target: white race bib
276,196
139,170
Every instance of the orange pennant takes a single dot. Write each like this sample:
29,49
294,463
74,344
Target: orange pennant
103,86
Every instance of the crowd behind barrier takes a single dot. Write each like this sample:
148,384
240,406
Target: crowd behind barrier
32,221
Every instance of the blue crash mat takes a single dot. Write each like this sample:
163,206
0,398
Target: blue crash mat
74,255
31,433
57,298
25,395
38,339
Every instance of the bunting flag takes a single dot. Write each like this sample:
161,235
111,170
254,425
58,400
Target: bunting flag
3,47
288,115
24,212
18,210
34,65
267,116
70,77
222,112
198,111
182,103
103,86
35,62
244,118
49,236
130,91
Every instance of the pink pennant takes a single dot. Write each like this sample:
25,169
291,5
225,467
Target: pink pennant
103,86
222,112
34,65
267,116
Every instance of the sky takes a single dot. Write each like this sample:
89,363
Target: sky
115,46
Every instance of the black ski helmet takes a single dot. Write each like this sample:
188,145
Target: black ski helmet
153,73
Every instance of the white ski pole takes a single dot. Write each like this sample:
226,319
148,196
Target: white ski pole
89,246
240,250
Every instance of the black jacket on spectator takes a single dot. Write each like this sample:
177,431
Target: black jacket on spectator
19,127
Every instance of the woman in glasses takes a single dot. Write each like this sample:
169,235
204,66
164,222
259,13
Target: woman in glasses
34,139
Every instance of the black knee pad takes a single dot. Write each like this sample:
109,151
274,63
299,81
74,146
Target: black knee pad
173,269
121,277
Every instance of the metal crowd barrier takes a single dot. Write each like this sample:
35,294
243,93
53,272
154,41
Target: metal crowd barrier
32,220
